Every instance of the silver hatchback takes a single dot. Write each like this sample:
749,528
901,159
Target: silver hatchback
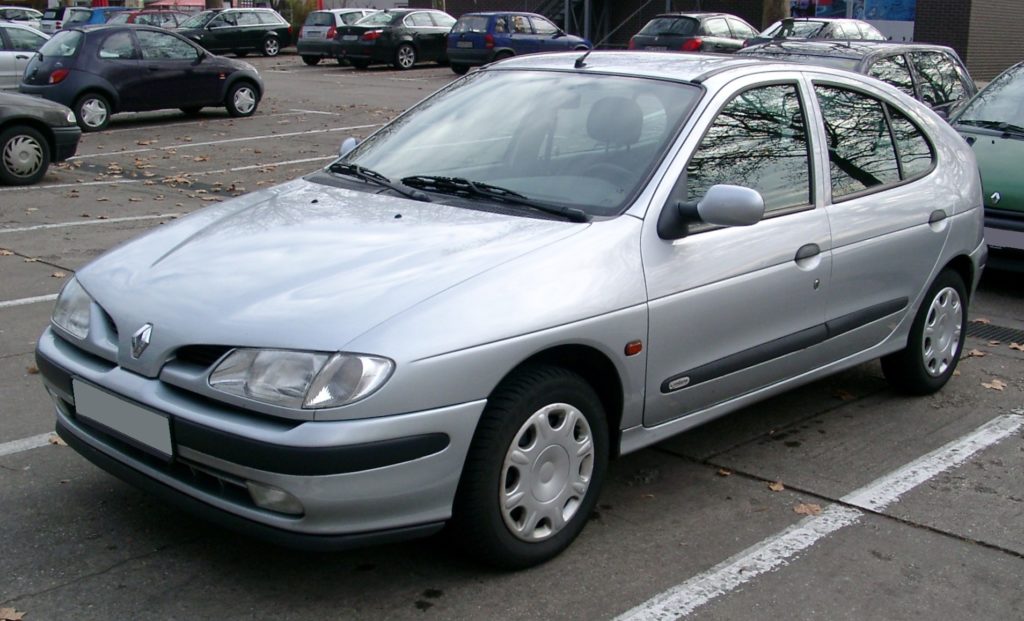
551,262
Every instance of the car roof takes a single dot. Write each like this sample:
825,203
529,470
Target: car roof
663,65
853,49
696,15
347,10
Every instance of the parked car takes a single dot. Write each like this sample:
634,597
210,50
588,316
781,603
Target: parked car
693,32
316,37
102,70
933,74
809,28
401,37
993,124
545,264
33,133
161,19
18,44
21,15
239,31
56,18
479,38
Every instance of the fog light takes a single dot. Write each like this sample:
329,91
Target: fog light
274,499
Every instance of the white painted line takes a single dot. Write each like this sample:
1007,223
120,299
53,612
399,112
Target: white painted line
17,446
315,112
23,301
70,185
150,128
775,551
253,166
59,225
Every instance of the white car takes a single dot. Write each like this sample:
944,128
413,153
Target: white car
21,15
18,44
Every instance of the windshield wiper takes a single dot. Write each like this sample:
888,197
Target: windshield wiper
464,187
372,176
1002,126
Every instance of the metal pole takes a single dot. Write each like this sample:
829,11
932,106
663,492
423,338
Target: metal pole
586,19
568,15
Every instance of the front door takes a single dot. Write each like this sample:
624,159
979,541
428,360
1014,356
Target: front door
177,77
734,309
121,68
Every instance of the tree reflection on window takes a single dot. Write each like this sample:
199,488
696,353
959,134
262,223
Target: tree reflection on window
940,82
860,149
893,70
759,141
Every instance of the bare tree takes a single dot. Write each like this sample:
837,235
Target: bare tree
772,11
215,4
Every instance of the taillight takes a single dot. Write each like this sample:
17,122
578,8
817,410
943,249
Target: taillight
301,30
372,35
331,32
489,41
692,45
632,44
58,25
58,76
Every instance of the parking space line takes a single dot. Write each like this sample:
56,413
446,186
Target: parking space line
17,446
59,225
195,122
775,551
70,185
23,301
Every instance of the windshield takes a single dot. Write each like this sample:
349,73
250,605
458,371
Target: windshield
681,26
585,142
794,29
198,20
63,44
1002,101
382,18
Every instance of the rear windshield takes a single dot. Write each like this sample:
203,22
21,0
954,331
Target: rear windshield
51,13
471,23
319,18
794,30
198,20
119,18
670,26
63,44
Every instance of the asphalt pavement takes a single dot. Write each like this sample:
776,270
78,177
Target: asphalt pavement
838,500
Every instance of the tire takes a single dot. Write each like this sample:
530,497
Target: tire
92,111
405,57
549,416
271,46
242,99
341,61
192,110
502,56
935,342
360,64
460,69
24,155
311,60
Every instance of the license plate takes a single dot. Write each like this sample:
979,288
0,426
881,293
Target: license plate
314,34
463,44
350,37
144,428
656,48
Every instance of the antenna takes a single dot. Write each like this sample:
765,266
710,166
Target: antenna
581,61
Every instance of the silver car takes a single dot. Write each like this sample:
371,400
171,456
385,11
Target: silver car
551,262
18,44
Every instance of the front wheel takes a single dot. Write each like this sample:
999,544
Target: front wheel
271,46
192,110
534,469
242,99
405,56
24,155
92,111
311,60
459,68
935,342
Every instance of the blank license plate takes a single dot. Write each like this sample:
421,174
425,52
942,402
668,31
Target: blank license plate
463,44
350,37
147,429
656,48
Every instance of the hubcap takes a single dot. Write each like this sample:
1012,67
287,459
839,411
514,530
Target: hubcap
942,332
94,112
245,100
406,57
547,472
271,46
23,156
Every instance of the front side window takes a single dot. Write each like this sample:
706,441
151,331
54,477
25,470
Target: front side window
198,20
940,81
122,18
861,154
24,40
118,46
893,70
758,141
161,46
542,26
1000,105
79,16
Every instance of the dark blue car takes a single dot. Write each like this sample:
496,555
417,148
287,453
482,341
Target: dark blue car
480,38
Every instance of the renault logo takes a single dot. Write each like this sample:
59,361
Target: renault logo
996,197
140,340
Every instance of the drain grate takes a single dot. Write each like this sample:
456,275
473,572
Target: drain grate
981,330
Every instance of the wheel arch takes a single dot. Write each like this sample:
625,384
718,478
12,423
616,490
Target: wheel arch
109,93
235,79
36,124
961,265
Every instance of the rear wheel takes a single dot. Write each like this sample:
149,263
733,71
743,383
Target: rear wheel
311,60
460,69
271,46
24,155
405,56
92,111
502,55
534,469
242,99
935,342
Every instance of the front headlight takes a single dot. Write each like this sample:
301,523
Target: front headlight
72,311
300,379
71,118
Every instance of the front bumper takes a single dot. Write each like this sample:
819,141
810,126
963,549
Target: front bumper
358,481
65,142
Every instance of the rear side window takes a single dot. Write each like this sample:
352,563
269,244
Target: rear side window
78,16
741,30
893,70
940,81
861,154
472,23
682,26
63,44
122,18
717,28
419,20
442,21
350,18
913,149
245,18
759,141
268,17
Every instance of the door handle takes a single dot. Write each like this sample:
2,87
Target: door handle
936,216
807,251
21,57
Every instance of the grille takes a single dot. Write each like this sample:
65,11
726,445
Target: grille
201,355
982,330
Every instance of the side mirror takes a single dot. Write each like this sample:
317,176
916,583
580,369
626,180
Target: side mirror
558,35
723,205
347,145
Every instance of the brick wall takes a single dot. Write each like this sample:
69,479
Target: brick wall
944,22
994,39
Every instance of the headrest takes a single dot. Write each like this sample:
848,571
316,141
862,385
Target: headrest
615,121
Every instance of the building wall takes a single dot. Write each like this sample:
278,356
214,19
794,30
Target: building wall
994,37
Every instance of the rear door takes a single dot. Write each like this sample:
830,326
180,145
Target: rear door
524,40
717,36
251,31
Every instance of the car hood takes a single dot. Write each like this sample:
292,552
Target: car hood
25,103
999,160
301,265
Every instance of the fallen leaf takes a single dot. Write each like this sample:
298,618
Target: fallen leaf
10,614
56,440
31,260
59,275
976,353
134,199
776,486
957,372
201,158
5,252
807,509
32,369
648,496
981,320
1017,346
996,384
103,199
722,472
994,342
845,395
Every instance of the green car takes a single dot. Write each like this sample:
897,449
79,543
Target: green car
993,124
